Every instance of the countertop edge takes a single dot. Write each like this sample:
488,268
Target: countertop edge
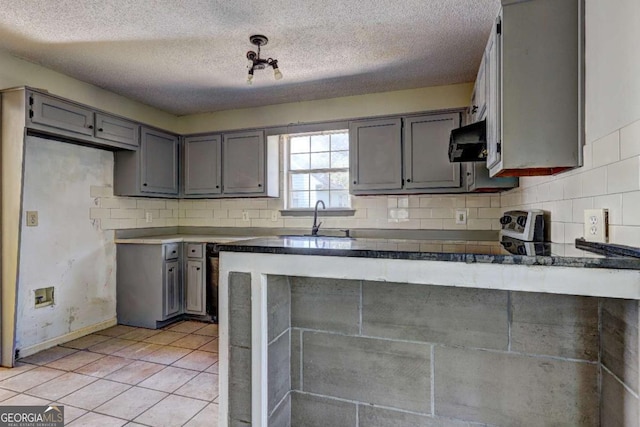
468,258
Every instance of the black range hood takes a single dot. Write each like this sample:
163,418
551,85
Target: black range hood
469,143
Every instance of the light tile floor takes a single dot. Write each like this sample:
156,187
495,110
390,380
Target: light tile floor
124,376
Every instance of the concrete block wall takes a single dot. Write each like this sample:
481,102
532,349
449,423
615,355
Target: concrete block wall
239,349
391,354
619,350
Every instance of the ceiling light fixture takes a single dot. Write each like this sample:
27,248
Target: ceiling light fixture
257,63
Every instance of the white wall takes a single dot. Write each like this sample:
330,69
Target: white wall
610,177
66,249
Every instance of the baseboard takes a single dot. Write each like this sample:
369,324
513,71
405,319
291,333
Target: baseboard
28,351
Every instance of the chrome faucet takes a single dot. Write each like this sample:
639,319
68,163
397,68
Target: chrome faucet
316,227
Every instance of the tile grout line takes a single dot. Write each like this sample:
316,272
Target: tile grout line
95,379
433,380
360,309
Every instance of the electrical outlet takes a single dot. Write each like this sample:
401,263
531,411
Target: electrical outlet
245,216
274,215
32,218
596,225
461,216
148,217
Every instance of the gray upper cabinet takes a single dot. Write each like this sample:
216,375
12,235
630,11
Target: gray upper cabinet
492,60
159,162
404,155
375,155
538,80
426,157
244,163
67,116
115,129
203,165
150,171
239,164
78,123
479,96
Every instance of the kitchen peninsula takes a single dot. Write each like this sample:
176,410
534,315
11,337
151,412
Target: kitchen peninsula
360,332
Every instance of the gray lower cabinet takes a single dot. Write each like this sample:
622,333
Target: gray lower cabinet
148,284
195,291
203,165
150,171
171,289
403,155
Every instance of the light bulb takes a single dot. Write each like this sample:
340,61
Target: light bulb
249,79
277,74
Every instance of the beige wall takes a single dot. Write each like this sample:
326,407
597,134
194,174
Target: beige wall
16,72
374,104
610,177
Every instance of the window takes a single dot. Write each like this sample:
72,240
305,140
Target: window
318,169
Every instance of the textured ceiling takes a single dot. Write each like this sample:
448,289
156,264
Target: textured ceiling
188,56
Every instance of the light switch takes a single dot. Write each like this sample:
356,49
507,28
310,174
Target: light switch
32,218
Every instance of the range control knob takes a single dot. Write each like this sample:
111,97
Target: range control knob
505,220
522,220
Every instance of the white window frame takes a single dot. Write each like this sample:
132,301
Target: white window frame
288,172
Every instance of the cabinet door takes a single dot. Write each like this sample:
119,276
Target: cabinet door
244,163
375,155
195,300
159,162
118,130
478,102
202,163
426,152
493,70
60,114
172,295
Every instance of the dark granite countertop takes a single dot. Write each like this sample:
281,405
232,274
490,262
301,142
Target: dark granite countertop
509,251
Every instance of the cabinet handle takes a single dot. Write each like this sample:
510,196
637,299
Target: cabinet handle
145,184
90,126
259,185
171,270
354,182
408,180
217,186
100,130
474,109
198,268
173,252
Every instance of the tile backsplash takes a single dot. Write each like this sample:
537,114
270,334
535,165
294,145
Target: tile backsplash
610,178
427,212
